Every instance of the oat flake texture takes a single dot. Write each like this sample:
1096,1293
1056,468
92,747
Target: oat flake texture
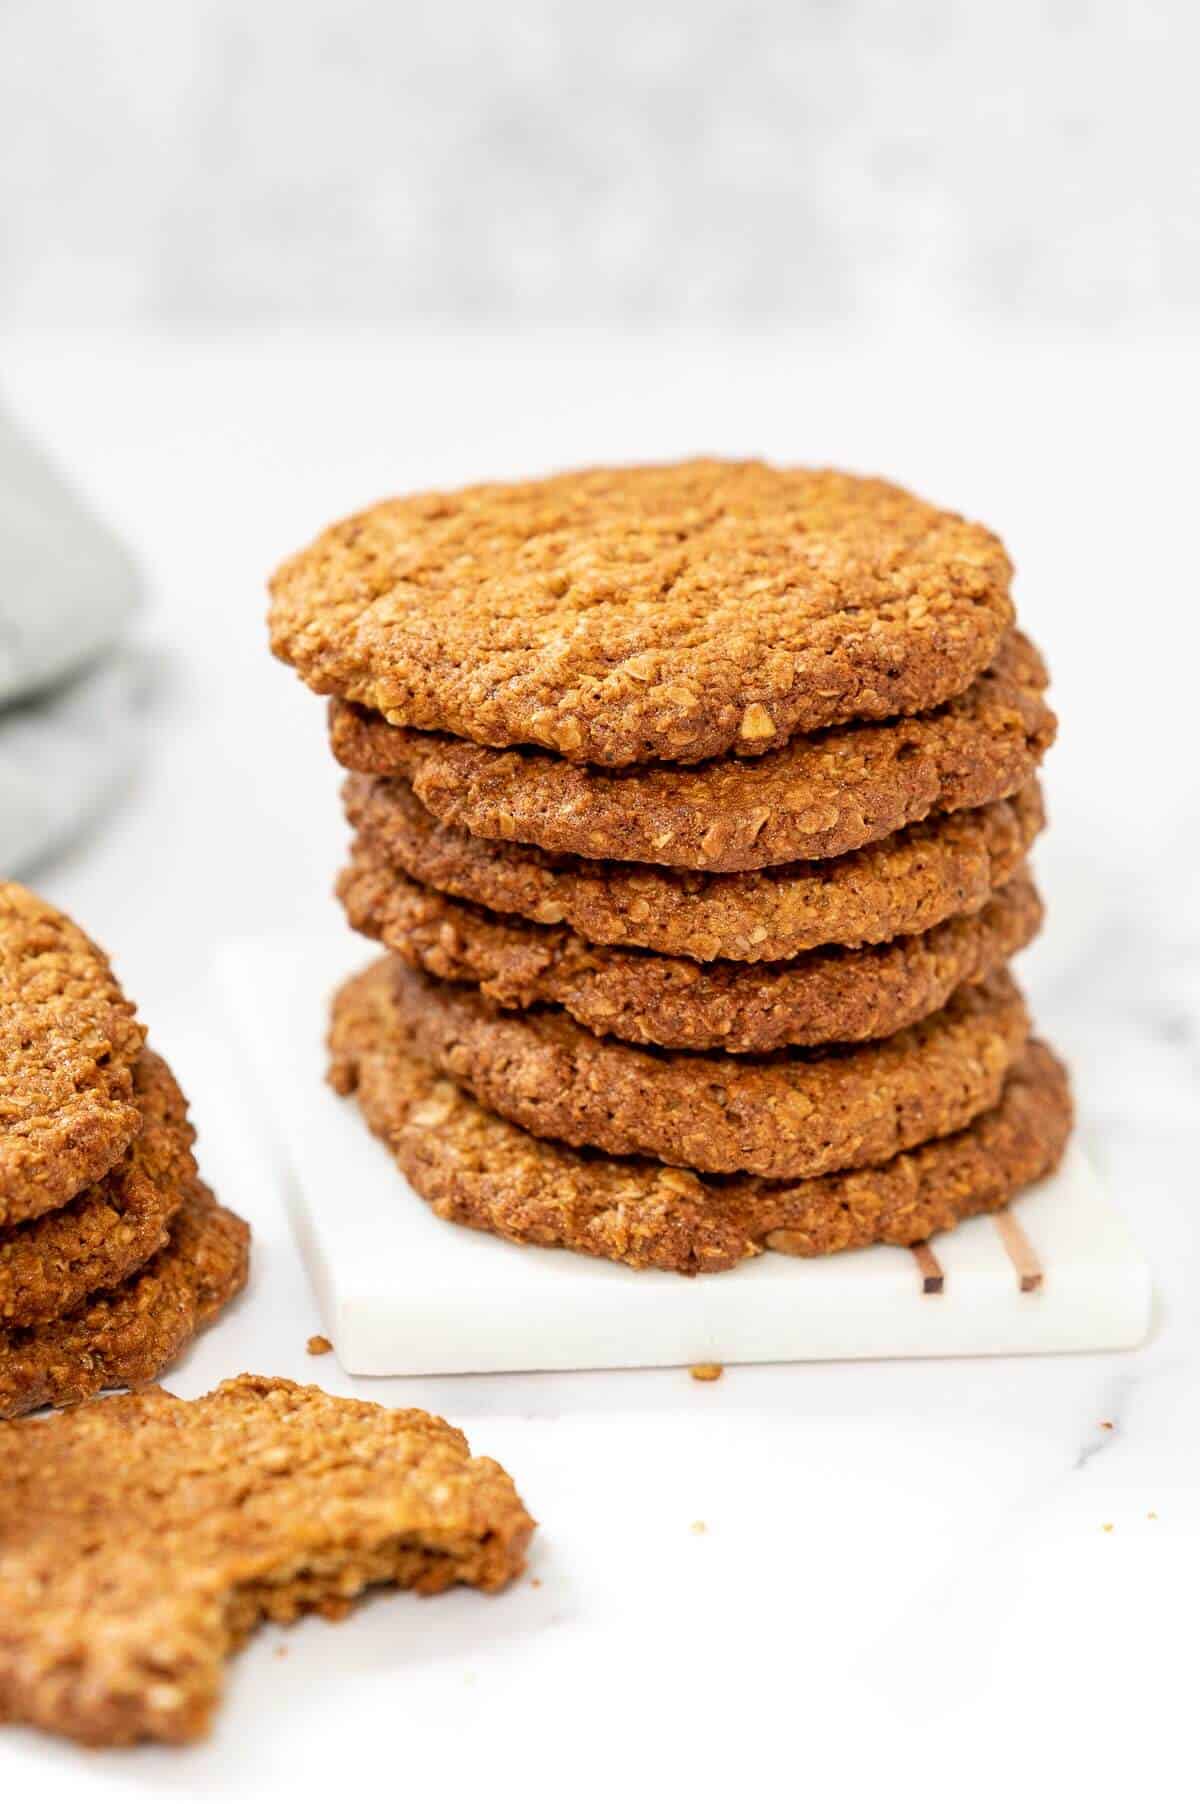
68,1045
143,1538
49,1265
950,864
845,993
621,615
478,1170
815,797
130,1334
789,1114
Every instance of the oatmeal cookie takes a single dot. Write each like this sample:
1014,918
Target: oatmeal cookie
948,865
674,612
127,1336
786,1115
836,993
68,1045
479,1170
49,1265
816,797
145,1537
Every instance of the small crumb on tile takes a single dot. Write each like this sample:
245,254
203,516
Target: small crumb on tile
536,1583
707,1373
1108,1528
281,1652
699,1528
318,1344
1106,1424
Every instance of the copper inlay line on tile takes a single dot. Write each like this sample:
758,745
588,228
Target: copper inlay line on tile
933,1278
1019,1249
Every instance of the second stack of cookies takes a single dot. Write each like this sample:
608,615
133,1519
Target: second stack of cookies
673,1012
113,1251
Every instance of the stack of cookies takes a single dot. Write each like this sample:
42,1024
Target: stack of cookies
113,1253
692,805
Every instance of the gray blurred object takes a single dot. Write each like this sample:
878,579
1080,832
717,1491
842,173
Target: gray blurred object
62,758
67,586
68,589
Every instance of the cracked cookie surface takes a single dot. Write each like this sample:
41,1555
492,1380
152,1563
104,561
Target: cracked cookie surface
836,993
68,1044
128,1335
672,612
789,1114
476,1169
815,797
143,1538
49,1265
907,883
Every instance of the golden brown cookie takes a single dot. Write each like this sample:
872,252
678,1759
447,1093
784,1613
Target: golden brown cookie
786,1115
816,797
112,1228
948,865
672,612
838,993
127,1336
474,1168
68,1045
145,1538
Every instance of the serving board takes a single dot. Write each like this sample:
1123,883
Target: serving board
403,1293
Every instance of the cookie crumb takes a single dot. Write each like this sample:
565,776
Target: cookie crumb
1107,1527
281,1652
699,1528
536,1583
707,1373
318,1344
1106,1424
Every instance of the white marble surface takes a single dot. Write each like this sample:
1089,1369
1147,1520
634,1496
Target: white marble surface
906,1583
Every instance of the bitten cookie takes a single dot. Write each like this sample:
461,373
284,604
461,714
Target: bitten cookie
948,865
49,1265
476,1169
674,612
68,1045
127,1336
791,1114
815,797
145,1537
838,993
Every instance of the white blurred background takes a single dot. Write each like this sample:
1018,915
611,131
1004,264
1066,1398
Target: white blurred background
786,161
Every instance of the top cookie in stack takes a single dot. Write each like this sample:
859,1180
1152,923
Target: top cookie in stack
715,759
674,613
